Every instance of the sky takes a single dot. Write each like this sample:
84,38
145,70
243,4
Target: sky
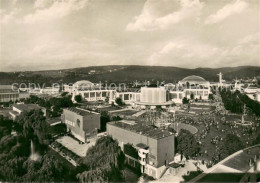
58,34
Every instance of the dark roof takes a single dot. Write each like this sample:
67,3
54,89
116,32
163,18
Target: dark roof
142,146
80,111
27,107
53,120
174,165
149,131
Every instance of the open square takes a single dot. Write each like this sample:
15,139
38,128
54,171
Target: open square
73,145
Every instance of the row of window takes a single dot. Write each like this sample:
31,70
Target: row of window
96,94
9,96
71,123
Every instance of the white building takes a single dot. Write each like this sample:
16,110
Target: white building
10,93
191,85
129,97
90,91
251,90
153,95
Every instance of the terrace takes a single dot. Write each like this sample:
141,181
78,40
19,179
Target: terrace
145,130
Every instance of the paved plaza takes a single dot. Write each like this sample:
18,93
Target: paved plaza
73,145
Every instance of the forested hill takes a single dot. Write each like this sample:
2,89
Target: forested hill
126,73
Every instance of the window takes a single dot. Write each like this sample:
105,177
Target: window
78,122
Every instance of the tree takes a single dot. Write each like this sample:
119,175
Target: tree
116,118
119,101
187,144
57,129
107,99
104,162
185,100
257,140
211,97
63,94
230,145
78,98
5,126
104,119
192,96
33,125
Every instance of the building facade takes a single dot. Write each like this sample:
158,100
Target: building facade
9,93
82,124
155,146
153,95
18,109
195,86
129,97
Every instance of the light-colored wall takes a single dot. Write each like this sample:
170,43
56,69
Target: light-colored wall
157,148
88,123
153,95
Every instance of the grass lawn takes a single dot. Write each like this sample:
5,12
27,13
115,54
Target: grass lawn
222,177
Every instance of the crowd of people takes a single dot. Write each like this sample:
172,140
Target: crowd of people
212,128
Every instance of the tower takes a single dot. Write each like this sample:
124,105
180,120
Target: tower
220,78
237,85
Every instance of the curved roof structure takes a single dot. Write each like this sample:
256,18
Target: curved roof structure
83,82
82,85
193,78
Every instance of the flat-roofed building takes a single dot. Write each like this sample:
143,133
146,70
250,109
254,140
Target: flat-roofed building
18,109
155,146
82,124
11,93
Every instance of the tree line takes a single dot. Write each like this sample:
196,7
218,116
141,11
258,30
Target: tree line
235,101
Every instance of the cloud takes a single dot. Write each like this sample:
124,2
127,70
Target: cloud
42,3
59,9
251,39
6,18
150,19
183,51
228,10
193,53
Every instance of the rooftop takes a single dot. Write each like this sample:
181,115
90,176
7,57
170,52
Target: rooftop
27,107
80,111
8,89
149,131
142,146
175,165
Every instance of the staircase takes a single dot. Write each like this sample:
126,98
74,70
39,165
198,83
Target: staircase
164,171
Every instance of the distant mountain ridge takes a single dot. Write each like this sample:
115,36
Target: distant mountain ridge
126,73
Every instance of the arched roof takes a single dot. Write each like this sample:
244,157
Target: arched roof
193,78
83,83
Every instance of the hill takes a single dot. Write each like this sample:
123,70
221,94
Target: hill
127,73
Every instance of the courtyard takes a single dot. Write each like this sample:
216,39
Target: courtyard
75,146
